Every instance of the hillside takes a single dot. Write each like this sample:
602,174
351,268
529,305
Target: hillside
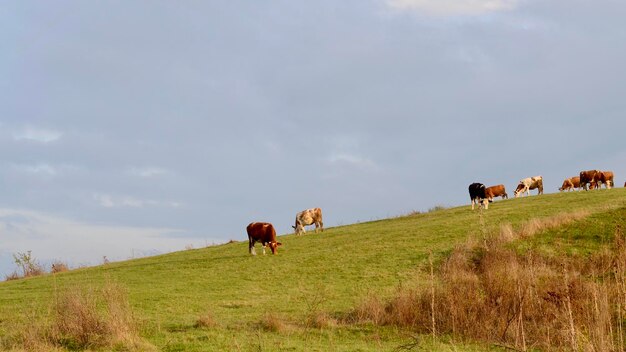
331,272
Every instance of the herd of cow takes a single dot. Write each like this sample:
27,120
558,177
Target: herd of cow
265,233
481,195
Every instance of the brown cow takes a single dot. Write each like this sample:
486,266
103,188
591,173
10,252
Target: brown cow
308,217
606,177
496,191
570,184
262,232
589,176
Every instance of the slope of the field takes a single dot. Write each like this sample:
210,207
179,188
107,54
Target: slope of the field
327,272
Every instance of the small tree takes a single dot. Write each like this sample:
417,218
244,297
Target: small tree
27,264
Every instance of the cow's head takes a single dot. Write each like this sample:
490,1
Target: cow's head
518,190
298,228
274,246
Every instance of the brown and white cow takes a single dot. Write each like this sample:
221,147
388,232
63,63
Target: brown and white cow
262,232
570,184
606,177
589,177
528,184
496,191
308,217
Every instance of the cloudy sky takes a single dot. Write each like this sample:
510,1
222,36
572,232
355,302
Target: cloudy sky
130,128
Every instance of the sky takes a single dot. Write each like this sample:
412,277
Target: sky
131,128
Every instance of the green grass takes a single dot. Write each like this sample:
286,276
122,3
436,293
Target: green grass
327,272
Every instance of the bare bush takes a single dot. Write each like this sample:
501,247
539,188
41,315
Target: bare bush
517,300
58,267
84,319
273,322
206,321
321,320
12,276
79,322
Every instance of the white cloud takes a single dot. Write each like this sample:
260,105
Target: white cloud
51,237
453,7
147,172
37,135
354,160
38,169
109,201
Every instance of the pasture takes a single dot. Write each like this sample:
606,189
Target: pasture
297,300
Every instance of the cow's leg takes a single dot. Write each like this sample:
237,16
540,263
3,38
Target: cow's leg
472,204
321,226
264,244
251,246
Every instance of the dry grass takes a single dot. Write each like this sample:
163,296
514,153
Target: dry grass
321,320
207,320
370,309
273,322
59,267
84,319
486,291
98,318
12,276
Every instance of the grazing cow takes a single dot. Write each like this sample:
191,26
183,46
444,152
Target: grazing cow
570,184
589,176
605,177
477,195
308,217
528,184
262,232
496,191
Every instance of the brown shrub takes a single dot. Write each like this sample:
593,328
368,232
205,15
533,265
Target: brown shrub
206,321
369,309
82,319
93,318
59,267
321,320
12,276
272,322
489,292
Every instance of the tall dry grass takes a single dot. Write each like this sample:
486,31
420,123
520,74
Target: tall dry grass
84,319
486,291
58,267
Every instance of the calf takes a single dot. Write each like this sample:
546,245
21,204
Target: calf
570,183
528,184
477,195
308,217
496,191
262,232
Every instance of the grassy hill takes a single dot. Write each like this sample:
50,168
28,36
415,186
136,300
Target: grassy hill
274,303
